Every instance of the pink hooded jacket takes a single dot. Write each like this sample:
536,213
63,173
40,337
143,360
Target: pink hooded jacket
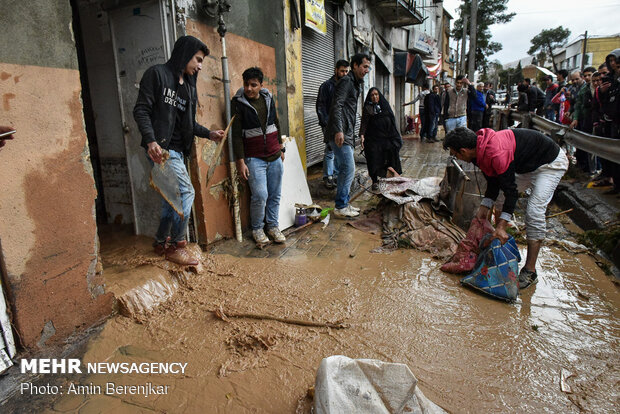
495,151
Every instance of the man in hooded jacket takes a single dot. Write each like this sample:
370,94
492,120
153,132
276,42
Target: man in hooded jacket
511,159
165,112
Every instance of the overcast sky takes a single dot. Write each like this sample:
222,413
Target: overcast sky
598,17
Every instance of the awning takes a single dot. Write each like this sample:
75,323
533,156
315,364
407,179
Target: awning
382,51
410,66
435,70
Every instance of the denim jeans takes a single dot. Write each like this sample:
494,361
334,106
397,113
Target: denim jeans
543,181
432,126
346,163
170,223
452,123
330,165
266,186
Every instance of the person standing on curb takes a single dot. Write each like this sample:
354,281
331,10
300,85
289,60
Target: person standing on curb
341,131
323,104
165,112
259,152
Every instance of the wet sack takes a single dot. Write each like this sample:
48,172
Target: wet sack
496,270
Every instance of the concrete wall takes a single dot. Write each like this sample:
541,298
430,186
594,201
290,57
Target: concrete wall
48,231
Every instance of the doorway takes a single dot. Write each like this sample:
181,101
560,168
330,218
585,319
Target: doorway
116,41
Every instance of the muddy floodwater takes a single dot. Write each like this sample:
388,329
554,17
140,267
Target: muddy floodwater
281,314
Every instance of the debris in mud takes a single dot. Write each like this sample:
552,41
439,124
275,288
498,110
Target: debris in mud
228,314
564,375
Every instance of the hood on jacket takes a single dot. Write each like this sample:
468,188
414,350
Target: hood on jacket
240,94
495,150
184,49
615,53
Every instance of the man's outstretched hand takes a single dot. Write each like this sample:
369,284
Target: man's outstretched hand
216,135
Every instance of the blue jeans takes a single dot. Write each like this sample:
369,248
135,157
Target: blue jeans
330,166
452,123
432,126
346,163
170,223
266,186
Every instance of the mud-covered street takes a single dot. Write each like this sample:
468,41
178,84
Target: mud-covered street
253,325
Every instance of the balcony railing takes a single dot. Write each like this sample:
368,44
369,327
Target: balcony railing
398,13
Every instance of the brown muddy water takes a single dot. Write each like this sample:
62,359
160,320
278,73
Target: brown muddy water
471,354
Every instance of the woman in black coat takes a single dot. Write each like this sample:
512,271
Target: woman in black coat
381,140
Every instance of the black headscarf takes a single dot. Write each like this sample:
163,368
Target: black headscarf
184,49
383,107
382,124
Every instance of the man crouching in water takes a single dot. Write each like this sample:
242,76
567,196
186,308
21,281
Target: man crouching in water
512,159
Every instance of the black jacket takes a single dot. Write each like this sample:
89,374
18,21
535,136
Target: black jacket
155,111
324,100
535,98
432,104
342,114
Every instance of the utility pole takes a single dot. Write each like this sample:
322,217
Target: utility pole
224,7
462,69
583,51
472,40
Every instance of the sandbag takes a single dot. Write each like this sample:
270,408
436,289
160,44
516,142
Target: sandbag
496,271
464,260
368,386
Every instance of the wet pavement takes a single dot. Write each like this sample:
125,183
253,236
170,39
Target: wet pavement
253,325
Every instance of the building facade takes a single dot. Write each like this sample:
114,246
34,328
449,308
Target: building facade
70,71
571,56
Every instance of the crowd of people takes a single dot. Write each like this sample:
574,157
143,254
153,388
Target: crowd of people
585,100
166,107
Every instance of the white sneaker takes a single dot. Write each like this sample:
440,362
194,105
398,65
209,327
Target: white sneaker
346,212
354,208
259,236
276,235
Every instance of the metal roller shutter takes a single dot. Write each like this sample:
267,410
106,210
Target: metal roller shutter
317,63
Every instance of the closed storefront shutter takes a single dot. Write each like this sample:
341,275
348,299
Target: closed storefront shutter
317,62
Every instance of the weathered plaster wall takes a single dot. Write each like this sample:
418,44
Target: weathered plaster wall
48,231
258,20
37,33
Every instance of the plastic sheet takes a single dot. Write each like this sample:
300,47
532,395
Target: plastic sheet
365,386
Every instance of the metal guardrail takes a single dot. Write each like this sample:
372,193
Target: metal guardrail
607,148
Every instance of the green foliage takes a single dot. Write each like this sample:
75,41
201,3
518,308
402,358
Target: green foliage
547,40
489,12
605,239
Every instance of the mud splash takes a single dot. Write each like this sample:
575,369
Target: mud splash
470,353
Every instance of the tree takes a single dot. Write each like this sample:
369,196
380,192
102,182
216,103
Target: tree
489,12
547,40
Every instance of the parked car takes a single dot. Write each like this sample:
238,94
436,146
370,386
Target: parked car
500,96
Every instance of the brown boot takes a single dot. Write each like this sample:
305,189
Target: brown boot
180,256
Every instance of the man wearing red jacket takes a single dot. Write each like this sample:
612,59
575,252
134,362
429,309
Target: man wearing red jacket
510,159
